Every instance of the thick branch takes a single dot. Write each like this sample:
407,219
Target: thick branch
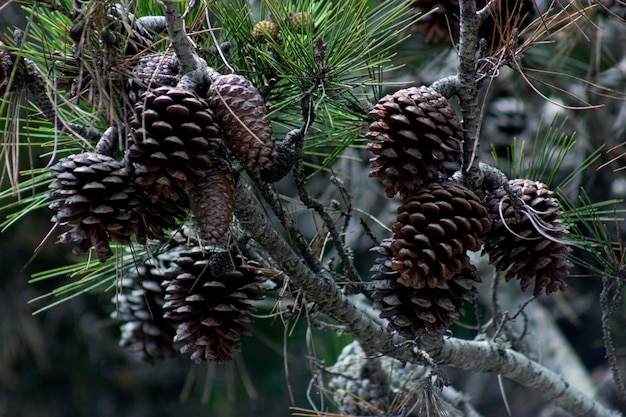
488,357
468,84
180,41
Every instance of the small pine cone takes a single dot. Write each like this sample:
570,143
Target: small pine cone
139,305
419,311
242,115
210,312
516,246
95,195
433,231
171,141
415,132
212,200
150,72
301,21
441,25
265,31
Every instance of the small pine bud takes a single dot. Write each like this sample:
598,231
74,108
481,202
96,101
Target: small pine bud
265,31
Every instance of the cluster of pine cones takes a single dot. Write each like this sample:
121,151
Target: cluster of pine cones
180,146
195,299
178,160
423,274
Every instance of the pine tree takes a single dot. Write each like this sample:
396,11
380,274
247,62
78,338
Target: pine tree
229,164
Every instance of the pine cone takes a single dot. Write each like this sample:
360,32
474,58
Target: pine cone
516,246
419,311
242,114
94,194
139,305
415,133
212,200
370,385
433,231
171,144
265,31
210,311
150,72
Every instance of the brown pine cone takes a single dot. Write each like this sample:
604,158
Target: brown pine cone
242,115
212,200
94,194
173,137
527,240
433,231
419,311
265,31
415,132
210,312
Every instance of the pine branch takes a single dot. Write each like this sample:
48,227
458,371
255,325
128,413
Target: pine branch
178,36
477,356
489,357
468,89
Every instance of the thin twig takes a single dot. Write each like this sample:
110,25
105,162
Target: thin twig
312,203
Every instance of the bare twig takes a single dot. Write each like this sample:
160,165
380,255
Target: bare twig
343,252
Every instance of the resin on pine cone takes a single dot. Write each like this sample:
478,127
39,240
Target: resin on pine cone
212,199
419,311
139,305
242,115
415,133
527,240
94,194
433,231
210,312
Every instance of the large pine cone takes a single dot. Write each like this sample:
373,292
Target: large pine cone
212,199
419,311
95,195
139,305
173,136
415,132
433,231
517,246
210,311
150,72
242,114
